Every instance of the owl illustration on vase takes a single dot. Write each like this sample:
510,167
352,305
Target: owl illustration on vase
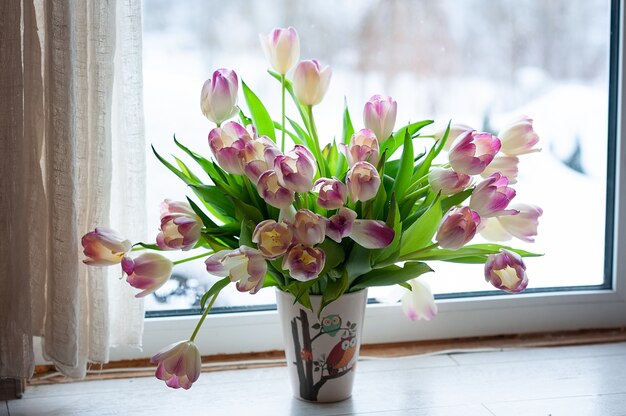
341,354
331,324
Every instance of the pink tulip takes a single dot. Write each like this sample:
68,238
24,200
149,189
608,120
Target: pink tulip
455,131
519,137
506,165
180,226
179,364
219,96
244,265
282,48
304,263
149,272
332,193
272,238
340,224
227,143
522,225
457,228
104,247
419,302
371,234
471,152
296,170
363,147
447,181
258,156
272,191
506,271
309,228
362,181
491,197
379,115
310,82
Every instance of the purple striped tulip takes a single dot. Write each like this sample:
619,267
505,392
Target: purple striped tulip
332,193
419,302
309,228
362,181
519,137
104,247
455,131
506,165
472,151
447,181
363,148
492,196
227,143
506,271
282,48
149,272
244,265
180,226
457,228
339,225
370,234
310,82
379,115
522,225
296,170
218,99
272,191
272,238
304,263
179,364
258,156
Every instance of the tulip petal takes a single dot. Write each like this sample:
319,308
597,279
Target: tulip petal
371,234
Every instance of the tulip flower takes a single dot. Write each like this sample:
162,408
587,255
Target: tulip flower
332,193
419,303
519,137
179,364
180,226
522,225
309,228
506,271
227,143
455,131
362,181
379,115
506,165
471,152
272,191
282,48
363,148
244,265
447,181
310,82
104,247
272,238
340,224
218,99
304,263
296,170
457,228
258,156
149,272
492,196
371,234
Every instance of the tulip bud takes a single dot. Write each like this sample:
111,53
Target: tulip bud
506,165
296,170
104,247
180,226
457,228
379,115
272,238
282,48
149,272
447,181
362,181
491,197
227,143
244,265
455,131
310,82
506,271
273,192
304,263
219,96
419,302
471,152
309,228
179,364
332,193
519,137
522,225
363,148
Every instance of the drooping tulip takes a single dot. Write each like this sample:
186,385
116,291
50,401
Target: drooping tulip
522,225
180,226
363,147
244,265
340,224
492,196
472,151
179,364
310,82
506,271
272,191
362,181
296,170
419,302
371,234
309,228
272,238
457,228
506,165
447,181
282,48
519,137
455,131
304,263
332,193
218,99
227,143
104,247
379,115
148,271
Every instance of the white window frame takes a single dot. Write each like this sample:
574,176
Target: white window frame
461,317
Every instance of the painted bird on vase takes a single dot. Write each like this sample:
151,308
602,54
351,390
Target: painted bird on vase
331,324
341,354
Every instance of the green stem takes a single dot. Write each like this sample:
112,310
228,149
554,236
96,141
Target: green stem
282,85
423,250
206,312
317,150
199,256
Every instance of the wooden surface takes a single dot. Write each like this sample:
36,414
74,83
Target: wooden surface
583,380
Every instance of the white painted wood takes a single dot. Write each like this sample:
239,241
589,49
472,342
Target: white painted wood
603,405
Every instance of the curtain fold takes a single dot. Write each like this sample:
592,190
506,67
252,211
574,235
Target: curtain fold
65,69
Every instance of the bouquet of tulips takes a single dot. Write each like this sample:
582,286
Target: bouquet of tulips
308,220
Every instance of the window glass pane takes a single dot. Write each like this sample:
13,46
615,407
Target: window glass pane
477,62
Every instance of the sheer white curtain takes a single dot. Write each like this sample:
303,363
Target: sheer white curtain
72,151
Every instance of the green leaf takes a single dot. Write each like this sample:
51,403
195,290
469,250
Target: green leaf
214,290
296,139
180,174
216,200
262,120
392,144
334,255
245,237
456,199
348,129
390,253
359,262
390,275
421,232
424,166
208,223
185,170
246,211
475,253
304,137
406,167
299,290
334,290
